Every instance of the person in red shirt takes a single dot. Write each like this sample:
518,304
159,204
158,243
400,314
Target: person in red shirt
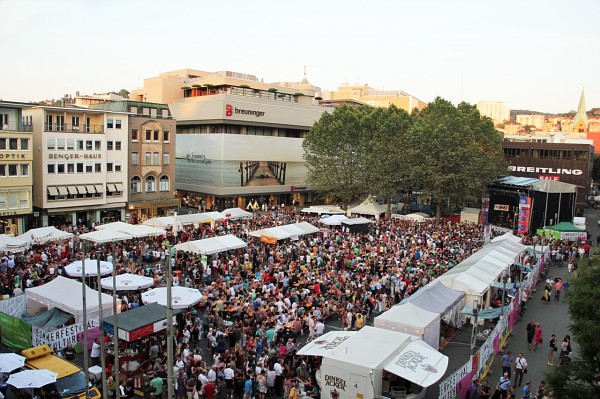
210,390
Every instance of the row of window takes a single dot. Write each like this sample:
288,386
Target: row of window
151,158
14,199
14,170
150,184
153,112
80,167
12,144
113,124
151,136
89,145
249,130
546,154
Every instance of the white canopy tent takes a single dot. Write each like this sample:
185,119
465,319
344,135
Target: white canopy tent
104,236
67,295
323,344
439,299
181,297
236,213
197,218
414,217
286,231
127,282
409,318
134,230
75,269
163,222
213,245
333,220
12,244
369,207
324,210
43,235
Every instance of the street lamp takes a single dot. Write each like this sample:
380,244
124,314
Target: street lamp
474,330
504,280
534,240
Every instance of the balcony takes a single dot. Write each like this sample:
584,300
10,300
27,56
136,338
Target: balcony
70,128
200,91
16,127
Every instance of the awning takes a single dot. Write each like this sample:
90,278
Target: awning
119,186
90,189
52,190
72,190
62,190
81,190
325,343
111,187
99,188
419,363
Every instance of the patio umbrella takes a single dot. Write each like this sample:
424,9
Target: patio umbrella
127,282
31,379
181,297
10,361
91,268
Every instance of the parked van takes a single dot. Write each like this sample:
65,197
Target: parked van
70,382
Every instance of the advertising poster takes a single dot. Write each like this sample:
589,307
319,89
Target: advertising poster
233,160
485,209
524,215
16,333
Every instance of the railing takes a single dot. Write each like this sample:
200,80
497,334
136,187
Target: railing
71,128
16,127
240,91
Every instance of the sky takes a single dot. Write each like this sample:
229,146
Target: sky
535,55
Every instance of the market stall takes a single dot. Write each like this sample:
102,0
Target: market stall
563,231
355,225
286,231
43,235
411,319
213,245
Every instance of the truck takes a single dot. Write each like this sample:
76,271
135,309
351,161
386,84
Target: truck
70,382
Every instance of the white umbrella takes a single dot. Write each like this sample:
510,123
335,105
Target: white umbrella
181,297
32,379
91,268
10,361
127,282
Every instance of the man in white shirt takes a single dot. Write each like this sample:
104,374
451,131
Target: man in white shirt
95,354
520,368
319,328
212,374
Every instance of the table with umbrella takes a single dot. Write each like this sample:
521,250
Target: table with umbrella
127,282
91,268
31,379
181,297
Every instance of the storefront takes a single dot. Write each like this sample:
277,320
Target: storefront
138,212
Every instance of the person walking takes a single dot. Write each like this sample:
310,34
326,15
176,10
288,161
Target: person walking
553,348
530,331
473,392
537,336
507,360
520,369
527,390
558,286
503,385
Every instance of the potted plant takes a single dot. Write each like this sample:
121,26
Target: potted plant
318,98
244,88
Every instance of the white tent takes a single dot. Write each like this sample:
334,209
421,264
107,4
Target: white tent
43,235
213,245
66,294
181,297
236,213
75,269
127,282
286,231
324,210
134,230
163,222
103,236
439,299
12,244
408,318
334,220
197,218
323,344
369,207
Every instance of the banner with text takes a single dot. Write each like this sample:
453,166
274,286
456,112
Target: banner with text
61,337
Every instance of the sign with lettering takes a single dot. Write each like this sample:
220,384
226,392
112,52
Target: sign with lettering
62,337
549,171
449,385
5,155
74,156
548,177
336,382
501,207
230,110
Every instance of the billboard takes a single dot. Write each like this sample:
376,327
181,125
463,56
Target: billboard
239,161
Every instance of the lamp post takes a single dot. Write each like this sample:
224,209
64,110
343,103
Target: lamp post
474,330
504,280
534,240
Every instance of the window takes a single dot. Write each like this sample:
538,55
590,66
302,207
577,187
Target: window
60,168
134,158
24,169
148,158
2,144
166,136
109,166
97,167
109,145
70,168
60,123
145,111
133,109
148,135
51,168
13,200
109,123
118,166
3,198
156,132
13,170
24,144
75,123
97,145
117,145
166,158
155,158
88,145
13,144
51,144
164,183
117,123
165,113
153,112
80,167
24,199
80,145
60,144
88,167
2,170
136,184
134,135
150,184
70,144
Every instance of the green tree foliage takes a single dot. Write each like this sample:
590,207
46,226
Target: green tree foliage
454,153
577,378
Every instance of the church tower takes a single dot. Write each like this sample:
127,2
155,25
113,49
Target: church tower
580,122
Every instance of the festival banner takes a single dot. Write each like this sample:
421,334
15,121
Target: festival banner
14,306
16,333
60,338
524,215
449,388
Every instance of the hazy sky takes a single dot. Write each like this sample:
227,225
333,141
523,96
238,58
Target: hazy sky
530,54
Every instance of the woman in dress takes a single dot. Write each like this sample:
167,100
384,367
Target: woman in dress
537,336
262,385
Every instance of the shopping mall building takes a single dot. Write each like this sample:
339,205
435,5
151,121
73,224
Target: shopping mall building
238,139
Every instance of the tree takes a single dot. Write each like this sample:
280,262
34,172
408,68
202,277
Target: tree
454,153
335,156
124,93
578,378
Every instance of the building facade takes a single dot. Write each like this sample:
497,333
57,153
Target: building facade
151,163
239,140
374,97
563,161
79,166
16,172
496,110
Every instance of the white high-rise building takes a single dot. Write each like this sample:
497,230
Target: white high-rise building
495,110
